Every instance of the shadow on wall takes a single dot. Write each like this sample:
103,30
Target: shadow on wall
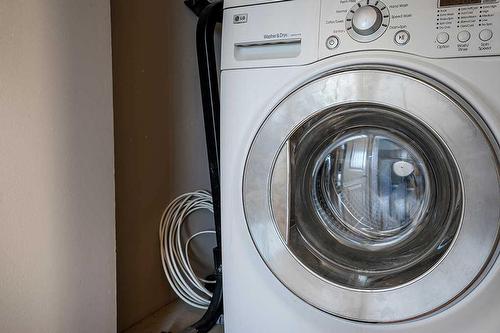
56,167
159,143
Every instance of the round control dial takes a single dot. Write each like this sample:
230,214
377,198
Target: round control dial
367,20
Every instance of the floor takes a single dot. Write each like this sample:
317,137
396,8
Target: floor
172,318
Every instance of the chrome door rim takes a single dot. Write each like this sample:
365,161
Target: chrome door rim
450,118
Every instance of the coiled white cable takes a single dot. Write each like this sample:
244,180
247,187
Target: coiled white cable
175,256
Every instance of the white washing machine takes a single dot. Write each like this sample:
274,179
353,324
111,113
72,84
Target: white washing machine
360,166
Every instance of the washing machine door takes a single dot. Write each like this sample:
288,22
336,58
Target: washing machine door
373,194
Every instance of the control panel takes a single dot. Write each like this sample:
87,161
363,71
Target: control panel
430,28
298,32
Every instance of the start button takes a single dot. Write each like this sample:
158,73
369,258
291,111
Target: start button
402,37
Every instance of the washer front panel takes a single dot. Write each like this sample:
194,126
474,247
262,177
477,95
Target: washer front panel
473,249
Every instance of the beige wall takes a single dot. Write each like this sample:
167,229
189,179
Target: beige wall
159,139
57,262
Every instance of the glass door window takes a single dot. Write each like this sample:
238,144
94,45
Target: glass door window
371,196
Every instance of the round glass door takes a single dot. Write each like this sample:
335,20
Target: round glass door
370,188
377,203
371,192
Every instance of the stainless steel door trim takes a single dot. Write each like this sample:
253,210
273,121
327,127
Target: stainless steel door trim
472,147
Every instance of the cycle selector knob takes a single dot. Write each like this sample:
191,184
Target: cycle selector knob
367,20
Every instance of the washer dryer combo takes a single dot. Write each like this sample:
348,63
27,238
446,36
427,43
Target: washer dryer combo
360,165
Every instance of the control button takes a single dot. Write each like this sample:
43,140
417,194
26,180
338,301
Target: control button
463,36
443,37
367,20
402,37
332,42
485,35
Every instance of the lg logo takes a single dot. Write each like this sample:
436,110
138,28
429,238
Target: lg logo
240,18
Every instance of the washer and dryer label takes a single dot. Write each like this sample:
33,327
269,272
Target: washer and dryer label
283,33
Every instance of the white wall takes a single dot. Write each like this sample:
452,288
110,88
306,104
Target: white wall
57,248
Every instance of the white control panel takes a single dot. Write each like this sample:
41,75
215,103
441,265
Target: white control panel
430,28
298,32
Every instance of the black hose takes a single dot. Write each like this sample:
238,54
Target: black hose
196,6
207,65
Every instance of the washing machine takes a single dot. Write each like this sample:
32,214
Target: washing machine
360,166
